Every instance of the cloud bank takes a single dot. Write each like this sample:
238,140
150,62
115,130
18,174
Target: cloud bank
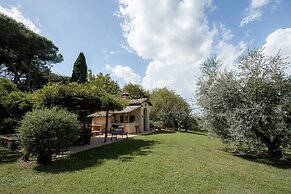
125,73
176,37
173,35
279,41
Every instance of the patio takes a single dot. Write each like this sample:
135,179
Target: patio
97,141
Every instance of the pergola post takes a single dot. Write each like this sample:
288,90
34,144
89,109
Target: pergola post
106,126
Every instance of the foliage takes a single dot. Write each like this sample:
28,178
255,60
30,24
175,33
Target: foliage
44,132
169,109
25,55
249,107
135,91
6,86
104,82
57,78
13,104
72,95
80,70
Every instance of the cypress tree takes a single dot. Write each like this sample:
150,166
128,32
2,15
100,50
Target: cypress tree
80,70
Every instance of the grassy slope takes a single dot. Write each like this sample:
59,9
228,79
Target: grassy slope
158,163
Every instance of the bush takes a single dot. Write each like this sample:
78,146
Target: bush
13,105
44,132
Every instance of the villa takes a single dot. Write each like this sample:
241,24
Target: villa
134,118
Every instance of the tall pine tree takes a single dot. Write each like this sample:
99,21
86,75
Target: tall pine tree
80,70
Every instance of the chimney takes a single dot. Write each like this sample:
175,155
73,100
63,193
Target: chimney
125,95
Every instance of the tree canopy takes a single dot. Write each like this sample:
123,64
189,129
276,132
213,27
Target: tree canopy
13,105
25,55
104,82
76,96
170,109
80,69
135,91
248,107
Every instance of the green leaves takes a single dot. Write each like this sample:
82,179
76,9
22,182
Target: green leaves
135,91
25,54
65,95
248,107
169,109
104,82
80,70
47,131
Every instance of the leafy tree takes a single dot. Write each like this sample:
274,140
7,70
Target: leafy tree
249,107
80,98
104,82
67,95
45,132
135,91
169,109
80,70
45,76
13,105
24,54
6,86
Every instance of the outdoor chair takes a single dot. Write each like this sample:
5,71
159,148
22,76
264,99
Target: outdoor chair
116,132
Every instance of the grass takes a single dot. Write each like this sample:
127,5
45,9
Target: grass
157,163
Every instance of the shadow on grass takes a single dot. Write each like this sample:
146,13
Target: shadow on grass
162,131
278,163
195,133
7,156
124,151
171,131
265,159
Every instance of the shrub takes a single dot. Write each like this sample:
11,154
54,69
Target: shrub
44,132
13,105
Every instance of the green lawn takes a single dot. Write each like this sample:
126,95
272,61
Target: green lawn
157,163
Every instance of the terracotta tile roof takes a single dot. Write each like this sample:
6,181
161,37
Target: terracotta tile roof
127,109
133,105
100,114
139,101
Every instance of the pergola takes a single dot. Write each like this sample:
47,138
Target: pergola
82,104
79,97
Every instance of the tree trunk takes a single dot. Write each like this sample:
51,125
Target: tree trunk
274,149
28,75
272,144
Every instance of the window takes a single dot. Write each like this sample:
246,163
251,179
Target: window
132,119
121,118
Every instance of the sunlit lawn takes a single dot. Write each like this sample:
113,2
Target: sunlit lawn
157,163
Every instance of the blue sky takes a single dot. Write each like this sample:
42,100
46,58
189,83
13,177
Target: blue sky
155,43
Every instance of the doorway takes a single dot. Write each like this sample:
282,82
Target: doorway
145,119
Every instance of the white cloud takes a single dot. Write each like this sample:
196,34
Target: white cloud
279,40
173,35
226,33
258,3
226,51
229,53
254,12
124,72
16,14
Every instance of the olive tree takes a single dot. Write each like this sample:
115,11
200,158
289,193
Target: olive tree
249,107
